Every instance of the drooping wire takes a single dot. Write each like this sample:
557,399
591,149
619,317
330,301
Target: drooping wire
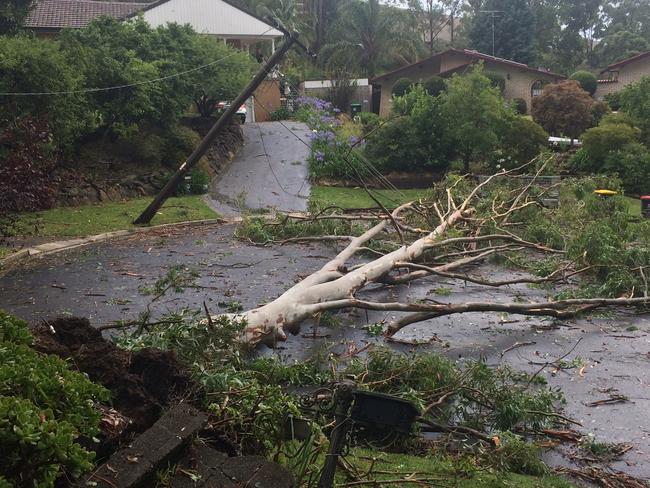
366,165
127,85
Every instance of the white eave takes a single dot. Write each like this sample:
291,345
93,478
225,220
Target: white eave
214,17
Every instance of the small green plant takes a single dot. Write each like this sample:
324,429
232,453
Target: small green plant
177,279
232,306
603,451
44,408
329,320
443,291
281,114
516,455
375,329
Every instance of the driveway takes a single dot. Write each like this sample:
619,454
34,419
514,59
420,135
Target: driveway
270,171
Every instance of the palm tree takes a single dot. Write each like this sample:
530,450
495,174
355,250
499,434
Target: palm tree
369,37
287,12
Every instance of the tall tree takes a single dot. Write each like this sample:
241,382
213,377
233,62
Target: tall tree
12,14
629,15
433,17
477,111
504,28
322,15
618,46
288,12
547,29
370,37
586,18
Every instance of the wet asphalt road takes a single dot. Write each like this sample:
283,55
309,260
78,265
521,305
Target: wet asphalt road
270,170
102,282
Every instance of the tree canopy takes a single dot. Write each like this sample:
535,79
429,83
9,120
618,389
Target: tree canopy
513,29
477,111
12,14
563,109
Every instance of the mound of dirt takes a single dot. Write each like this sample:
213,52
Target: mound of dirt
141,383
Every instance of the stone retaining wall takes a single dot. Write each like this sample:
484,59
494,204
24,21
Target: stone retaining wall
79,186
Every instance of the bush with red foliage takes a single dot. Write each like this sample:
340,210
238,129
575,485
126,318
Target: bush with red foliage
28,162
563,109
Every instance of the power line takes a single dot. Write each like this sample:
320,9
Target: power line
128,85
364,163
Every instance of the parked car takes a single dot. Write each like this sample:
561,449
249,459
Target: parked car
240,114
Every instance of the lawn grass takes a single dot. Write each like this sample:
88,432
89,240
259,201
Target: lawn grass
323,196
460,473
96,219
633,206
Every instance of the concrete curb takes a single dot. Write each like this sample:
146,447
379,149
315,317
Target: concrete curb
55,247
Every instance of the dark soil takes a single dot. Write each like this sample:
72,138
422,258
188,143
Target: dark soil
141,383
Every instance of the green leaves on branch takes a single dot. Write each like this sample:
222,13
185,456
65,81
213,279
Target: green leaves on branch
44,408
112,53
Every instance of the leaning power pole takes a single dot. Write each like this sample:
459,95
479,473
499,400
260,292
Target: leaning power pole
145,217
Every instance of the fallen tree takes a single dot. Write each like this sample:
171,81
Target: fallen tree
476,222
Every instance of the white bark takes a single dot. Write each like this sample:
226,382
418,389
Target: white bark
334,286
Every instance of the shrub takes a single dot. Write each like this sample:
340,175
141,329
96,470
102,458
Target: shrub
587,80
614,100
111,52
522,140
147,147
26,181
599,141
580,161
632,164
401,87
435,86
36,65
618,118
563,109
200,182
342,90
598,111
179,143
281,114
520,106
44,408
416,141
369,121
634,102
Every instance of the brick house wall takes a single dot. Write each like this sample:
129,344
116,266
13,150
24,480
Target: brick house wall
622,76
519,80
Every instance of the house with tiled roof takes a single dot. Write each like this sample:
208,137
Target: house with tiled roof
521,81
48,17
617,76
218,18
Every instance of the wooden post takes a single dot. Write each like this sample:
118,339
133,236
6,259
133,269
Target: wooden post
149,213
343,397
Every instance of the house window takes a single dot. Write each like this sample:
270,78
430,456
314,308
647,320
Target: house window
612,76
537,88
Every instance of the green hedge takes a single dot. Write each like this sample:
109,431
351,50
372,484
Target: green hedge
44,408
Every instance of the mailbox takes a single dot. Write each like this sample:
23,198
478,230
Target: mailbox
378,411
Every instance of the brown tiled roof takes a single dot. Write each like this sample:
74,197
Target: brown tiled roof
59,14
620,64
472,55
